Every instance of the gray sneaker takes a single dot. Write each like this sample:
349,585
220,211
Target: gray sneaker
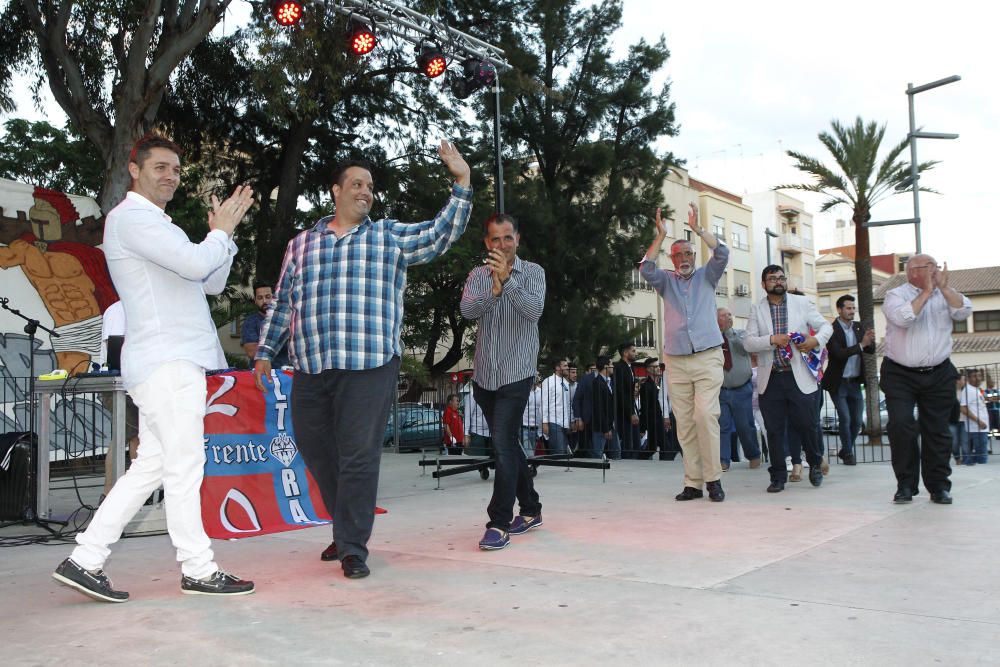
89,582
219,583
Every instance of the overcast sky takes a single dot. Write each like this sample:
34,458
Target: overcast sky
753,79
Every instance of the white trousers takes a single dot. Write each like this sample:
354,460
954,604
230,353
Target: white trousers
171,453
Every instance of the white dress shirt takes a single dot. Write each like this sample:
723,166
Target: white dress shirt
112,324
162,279
924,340
556,408
474,420
532,408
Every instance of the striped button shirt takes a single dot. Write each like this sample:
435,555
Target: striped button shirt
507,340
339,301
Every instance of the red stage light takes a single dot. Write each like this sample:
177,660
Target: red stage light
431,60
286,12
362,38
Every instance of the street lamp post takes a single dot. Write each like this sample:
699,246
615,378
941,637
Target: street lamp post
768,235
913,180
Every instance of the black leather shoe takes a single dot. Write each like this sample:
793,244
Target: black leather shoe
941,498
689,493
354,567
776,487
815,475
330,553
715,492
902,496
849,460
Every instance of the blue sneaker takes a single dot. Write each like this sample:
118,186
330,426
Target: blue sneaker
494,539
520,525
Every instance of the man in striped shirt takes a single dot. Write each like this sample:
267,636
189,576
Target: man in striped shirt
506,295
339,306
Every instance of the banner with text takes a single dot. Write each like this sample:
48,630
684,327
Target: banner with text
255,481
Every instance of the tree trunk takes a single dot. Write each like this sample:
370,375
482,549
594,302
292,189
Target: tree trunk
866,312
274,232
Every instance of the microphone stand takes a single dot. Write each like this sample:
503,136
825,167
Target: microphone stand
30,328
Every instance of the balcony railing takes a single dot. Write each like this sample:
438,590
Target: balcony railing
791,243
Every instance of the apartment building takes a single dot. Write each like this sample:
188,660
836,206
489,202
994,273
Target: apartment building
785,233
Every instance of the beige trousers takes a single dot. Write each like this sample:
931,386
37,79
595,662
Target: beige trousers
694,381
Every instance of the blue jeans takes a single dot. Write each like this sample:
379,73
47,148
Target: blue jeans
557,443
850,404
736,414
959,441
503,410
614,448
978,449
529,438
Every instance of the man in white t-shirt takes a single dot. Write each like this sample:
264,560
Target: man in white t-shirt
975,417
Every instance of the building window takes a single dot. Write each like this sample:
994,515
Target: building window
960,326
807,235
741,283
638,283
719,227
810,279
988,320
688,235
643,328
740,236
824,304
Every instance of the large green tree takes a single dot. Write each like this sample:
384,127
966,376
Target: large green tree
42,154
581,128
858,178
107,64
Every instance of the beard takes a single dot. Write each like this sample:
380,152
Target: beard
777,289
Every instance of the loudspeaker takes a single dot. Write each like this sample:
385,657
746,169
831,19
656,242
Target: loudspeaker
17,479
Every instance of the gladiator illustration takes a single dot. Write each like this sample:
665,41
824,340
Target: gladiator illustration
71,278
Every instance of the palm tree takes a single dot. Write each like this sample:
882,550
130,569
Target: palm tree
859,180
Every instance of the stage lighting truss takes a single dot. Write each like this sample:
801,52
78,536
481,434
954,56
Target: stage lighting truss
286,12
361,35
476,74
431,59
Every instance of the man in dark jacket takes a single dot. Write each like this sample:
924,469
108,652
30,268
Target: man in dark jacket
602,423
845,374
651,420
625,414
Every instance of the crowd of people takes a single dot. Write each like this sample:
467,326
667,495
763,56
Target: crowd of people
335,316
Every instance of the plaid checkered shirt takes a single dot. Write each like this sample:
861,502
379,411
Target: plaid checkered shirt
779,323
339,301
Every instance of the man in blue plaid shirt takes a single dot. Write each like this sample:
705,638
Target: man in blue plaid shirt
339,307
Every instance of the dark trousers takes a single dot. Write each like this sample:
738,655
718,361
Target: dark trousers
628,436
503,410
793,441
933,394
339,418
783,405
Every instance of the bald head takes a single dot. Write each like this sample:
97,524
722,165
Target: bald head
920,270
725,318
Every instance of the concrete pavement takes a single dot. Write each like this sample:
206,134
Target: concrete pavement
619,574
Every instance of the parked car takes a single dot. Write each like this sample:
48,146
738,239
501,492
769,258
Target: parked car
830,424
419,427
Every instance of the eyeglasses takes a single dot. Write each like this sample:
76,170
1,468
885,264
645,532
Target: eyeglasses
683,253
776,279
926,266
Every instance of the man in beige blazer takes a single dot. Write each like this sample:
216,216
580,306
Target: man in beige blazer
785,385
